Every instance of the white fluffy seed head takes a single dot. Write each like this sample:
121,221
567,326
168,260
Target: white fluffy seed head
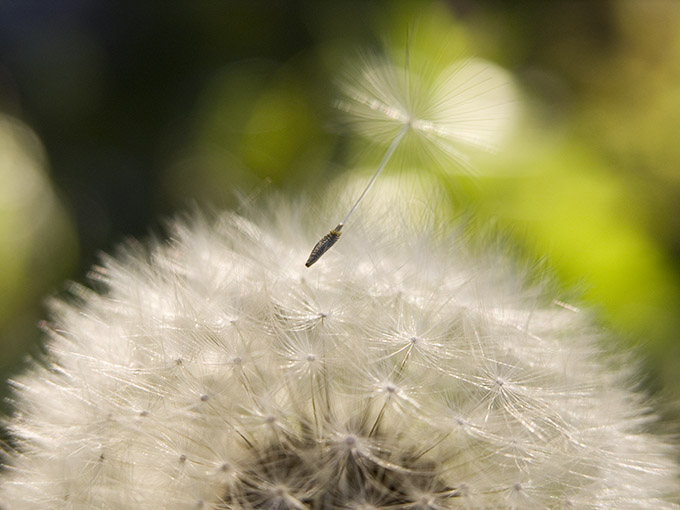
216,371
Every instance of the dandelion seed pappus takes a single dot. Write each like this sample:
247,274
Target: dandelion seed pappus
468,105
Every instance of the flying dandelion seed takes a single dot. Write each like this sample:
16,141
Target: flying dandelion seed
469,105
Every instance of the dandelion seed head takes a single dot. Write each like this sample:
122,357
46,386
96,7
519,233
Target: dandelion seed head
420,378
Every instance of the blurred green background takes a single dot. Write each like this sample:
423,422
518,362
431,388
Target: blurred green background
114,115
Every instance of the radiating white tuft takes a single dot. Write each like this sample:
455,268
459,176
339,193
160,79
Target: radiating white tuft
215,371
471,104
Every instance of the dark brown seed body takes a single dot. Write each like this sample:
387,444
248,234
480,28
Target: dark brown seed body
324,245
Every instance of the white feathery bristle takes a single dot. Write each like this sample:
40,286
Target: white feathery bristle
471,103
214,371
